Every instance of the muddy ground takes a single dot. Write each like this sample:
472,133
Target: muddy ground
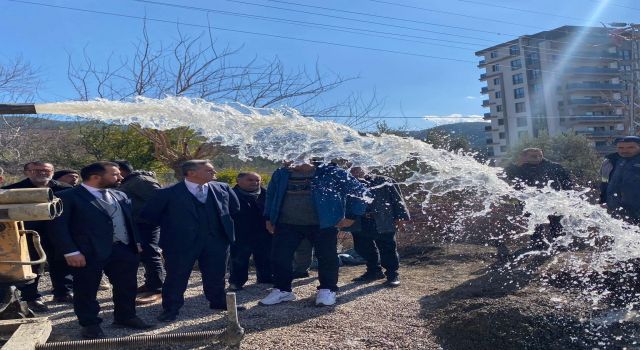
453,296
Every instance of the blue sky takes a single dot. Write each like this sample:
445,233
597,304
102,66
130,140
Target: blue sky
429,80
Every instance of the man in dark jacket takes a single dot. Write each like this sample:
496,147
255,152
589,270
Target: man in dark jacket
195,220
140,186
374,234
96,234
38,175
252,237
313,202
68,176
621,179
533,170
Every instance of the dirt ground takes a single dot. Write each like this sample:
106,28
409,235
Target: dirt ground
450,298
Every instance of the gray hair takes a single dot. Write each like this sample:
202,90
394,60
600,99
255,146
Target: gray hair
1,171
192,165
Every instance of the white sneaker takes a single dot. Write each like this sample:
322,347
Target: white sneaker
277,296
325,297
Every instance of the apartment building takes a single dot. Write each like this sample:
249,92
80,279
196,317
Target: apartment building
569,79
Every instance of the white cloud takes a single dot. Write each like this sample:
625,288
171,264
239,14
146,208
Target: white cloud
438,120
471,98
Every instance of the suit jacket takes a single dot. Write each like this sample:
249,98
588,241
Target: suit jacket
86,227
174,210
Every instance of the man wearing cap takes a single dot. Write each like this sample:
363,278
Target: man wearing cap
620,187
310,200
68,176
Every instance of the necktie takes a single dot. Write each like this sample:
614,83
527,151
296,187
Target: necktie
105,196
200,194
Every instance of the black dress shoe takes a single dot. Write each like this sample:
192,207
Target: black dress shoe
300,274
392,282
133,323
37,306
92,332
64,299
220,306
369,277
168,316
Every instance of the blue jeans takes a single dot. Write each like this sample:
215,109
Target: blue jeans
286,240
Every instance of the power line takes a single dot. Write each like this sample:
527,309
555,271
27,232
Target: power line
521,10
355,20
613,3
247,32
388,17
351,30
454,14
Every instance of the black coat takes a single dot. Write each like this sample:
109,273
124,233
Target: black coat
250,222
539,175
86,227
173,209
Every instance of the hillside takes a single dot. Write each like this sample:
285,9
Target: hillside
474,132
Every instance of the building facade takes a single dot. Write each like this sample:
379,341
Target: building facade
570,79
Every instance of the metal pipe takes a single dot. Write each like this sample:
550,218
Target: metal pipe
18,109
28,212
26,195
36,244
229,337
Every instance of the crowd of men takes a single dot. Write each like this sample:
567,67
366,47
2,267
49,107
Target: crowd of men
116,218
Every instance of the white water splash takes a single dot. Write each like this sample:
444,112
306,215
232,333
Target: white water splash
284,134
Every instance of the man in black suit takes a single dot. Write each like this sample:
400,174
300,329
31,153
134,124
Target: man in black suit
39,175
96,234
195,220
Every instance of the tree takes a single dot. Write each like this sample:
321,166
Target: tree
571,150
441,139
195,66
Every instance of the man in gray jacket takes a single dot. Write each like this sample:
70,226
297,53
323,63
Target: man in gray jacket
139,186
374,233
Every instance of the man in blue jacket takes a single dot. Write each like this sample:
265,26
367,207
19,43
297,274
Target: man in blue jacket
622,187
315,202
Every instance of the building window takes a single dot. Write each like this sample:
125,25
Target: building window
601,143
495,68
514,50
503,149
502,135
521,122
516,64
523,134
534,74
518,93
499,108
626,55
496,81
520,107
518,78
498,94
494,54
535,88
500,121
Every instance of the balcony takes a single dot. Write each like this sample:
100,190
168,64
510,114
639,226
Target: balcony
483,76
594,70
488,116
594,86
586,119
482,63
485,90
601,134
594,102
596,55
487,103
490,142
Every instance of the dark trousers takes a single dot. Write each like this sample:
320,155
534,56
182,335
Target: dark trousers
303,257
150,256
241,251
121,268
59,272
286,240
379,250
211,253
